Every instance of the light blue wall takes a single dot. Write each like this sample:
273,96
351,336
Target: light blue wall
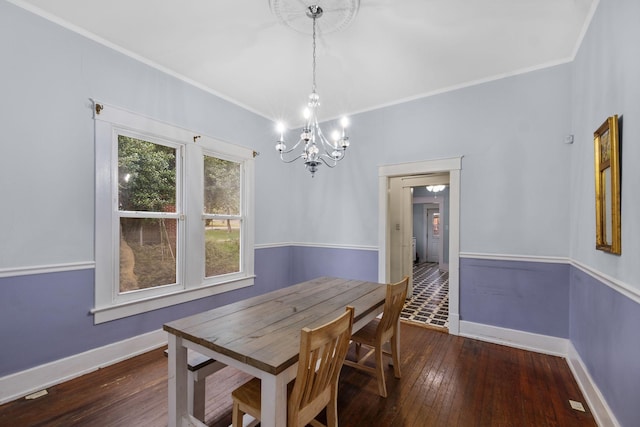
603,322
514,179
512,127
47,78
606,81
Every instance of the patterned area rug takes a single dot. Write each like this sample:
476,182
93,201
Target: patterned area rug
429,304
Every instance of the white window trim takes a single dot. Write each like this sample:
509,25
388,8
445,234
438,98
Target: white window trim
107,307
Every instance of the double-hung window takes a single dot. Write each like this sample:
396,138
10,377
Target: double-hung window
174,215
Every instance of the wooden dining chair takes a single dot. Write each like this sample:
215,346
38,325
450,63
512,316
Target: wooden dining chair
380,331
322,352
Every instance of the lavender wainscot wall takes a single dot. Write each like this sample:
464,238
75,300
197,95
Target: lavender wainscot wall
604,330
526,296
46,317
309,262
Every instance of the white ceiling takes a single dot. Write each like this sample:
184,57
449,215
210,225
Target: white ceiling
393,50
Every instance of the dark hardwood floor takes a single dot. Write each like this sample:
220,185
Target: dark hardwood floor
446,381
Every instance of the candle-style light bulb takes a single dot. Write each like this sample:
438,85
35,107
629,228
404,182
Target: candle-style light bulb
344,122
280,127
280,146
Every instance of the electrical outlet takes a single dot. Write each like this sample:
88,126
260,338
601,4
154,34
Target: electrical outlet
576,405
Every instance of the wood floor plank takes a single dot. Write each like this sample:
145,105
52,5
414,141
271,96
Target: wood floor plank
446,381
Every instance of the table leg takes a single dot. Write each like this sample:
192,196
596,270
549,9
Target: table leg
178,408
274,401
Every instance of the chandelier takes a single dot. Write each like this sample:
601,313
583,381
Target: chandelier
317,149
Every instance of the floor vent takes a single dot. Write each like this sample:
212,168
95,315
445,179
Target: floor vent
576,405
36,395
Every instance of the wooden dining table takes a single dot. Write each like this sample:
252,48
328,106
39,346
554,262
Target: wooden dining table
261,336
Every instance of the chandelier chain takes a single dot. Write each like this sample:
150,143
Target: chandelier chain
314,55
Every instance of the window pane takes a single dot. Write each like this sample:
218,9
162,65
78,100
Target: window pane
222,246
221,186
147,253
146,176
436,224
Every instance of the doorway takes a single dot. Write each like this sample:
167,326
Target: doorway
388,221
406,195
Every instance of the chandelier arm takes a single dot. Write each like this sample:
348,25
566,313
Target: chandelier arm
324,139
333,159
292,148
290,161
343,155
329,153
335,148
333,163
325,142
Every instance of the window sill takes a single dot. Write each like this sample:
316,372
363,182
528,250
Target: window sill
119,311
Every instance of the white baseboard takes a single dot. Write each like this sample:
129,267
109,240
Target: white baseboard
598,405
23,383
519,339
547,345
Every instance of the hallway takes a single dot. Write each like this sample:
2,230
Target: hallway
429,304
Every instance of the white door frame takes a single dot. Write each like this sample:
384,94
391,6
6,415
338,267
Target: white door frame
452,166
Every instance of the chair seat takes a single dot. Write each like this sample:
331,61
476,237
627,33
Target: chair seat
367,335
249,394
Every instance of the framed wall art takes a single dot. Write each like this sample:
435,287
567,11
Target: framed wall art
607,174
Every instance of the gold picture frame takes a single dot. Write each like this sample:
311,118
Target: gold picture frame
607,173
